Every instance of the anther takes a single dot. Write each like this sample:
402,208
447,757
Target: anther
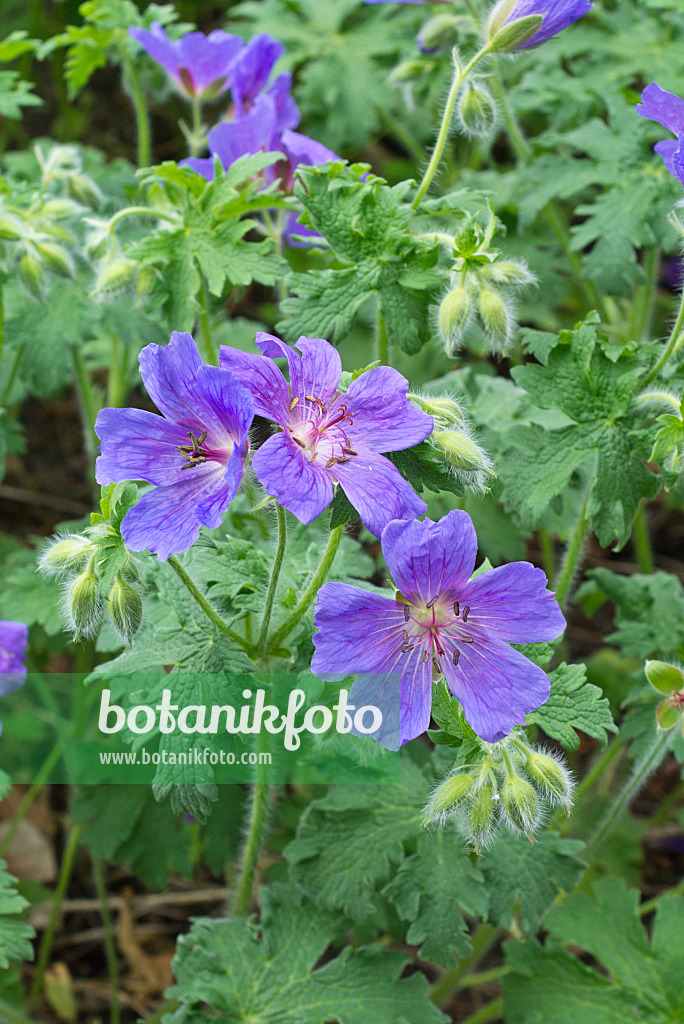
408,647
300,443
466,639
456,654
407,614
466,612
343,458
313,457
293,403
425,656
457,608
349,451
331,462
431,602
405,636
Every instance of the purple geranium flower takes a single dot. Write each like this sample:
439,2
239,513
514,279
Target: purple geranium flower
13,641
194,453
441,622
668,110
327,438
252,70
198,64
557,15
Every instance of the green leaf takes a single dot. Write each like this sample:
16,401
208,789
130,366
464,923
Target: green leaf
525,880
595,393
423,470
366,224
649,617
639,980
433,889
573,704
228,968
15,933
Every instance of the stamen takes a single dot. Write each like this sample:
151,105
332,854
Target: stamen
431,602
343,458
331,462
466,639
466,612
407,613
405,636
348,451
436,662
293,403
407,647
425,656
457,608
313,457
456,654
300,443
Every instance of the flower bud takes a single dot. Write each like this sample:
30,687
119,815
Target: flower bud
481,817
83,603
477,111
450,795
438,32
58,208
495,316
408,70
84,190
115,274
459,450
550,776
56,258
11,228
514,34
454,315
520,803
125,608
32,274
506,272
443,409
64,554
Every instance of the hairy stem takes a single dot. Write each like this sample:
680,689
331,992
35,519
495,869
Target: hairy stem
142,117
258,819
211,613
273,582
210,351
642,541
672,346
12,376
110,944
483,938
383,343
309,595
460,75
644,302
66,869
573,556
642,770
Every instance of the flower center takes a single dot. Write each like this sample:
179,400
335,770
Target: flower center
322,432
436,627
197,453
676,700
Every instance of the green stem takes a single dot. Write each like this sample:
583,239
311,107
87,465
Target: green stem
141,211
311,591
258,818
641,772
210,350
211,613
484,977
644,302
29,797
115,376
642,541
48,939
142,117
197,137
13,374
488,1012
676,334
383,351
460,75
273,582
110,944
547,552
573,555
595,773
482,941
89,407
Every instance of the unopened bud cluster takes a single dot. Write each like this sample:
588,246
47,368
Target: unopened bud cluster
454,442
510,786
481,291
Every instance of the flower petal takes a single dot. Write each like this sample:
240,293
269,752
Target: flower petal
426,559
377,490
253,133
224,407
317,372
168,372
666,108
252,69
356,629
13,641
496,685
157,44
208,58
283,469
263,380
402,691
210,511
138,445
512,603
384,419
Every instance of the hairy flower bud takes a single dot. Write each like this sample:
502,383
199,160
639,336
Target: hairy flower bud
58,208
460,451
56,258
481,817
477,111
84,190
508,273
11,228
449,796
32,274
550,776
408,70
65,554
520,804
443,409
115,274
438,32
83,603
125,608
496,318
510,37
454,314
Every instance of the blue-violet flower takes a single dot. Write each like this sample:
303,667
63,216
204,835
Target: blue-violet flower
200,65
13,641
668,110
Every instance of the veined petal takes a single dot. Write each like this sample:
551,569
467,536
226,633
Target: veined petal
513,604
13,641
252,69
356,630
138,445
316,372
208,58
496,685
402,690
263,380
666,108
377,490
667,149
210,510
384,419
168,372
427,559
285,472
157,44
287,111
224,406
253,133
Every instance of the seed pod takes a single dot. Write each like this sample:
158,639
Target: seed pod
443,409
125,608
459,450
481,817
496,318
452,794
58,208
477,111
509,273
664,677
56,258
520,804
551,776
11,228
65,554
83,603
454,315
438,32
32,274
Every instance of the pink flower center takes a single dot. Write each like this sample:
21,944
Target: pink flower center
431,625
321,432
198,452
